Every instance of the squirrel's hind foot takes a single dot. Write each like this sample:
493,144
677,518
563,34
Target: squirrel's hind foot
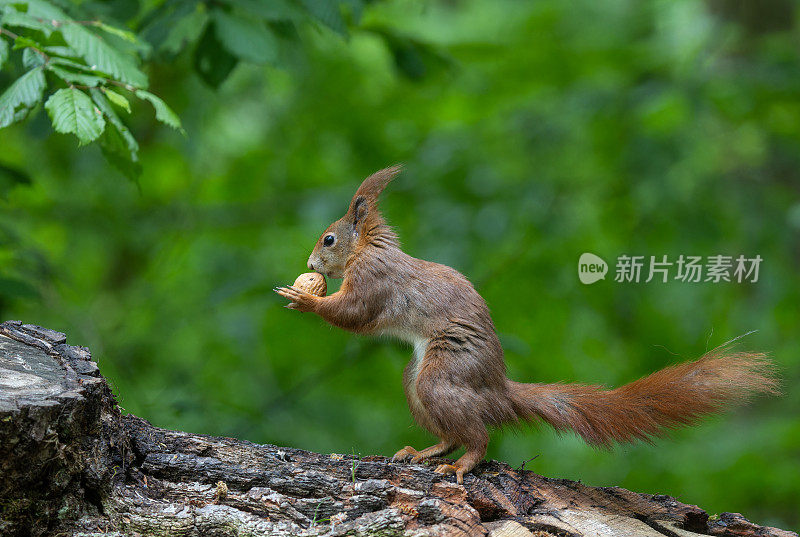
446,469
464,464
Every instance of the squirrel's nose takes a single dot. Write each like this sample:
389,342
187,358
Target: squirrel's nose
310,265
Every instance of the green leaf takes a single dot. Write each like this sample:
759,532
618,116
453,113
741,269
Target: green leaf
114,149
102,103
248,38
185,30
159,24
118,100
72,111
71,77
41,9
328,13
163,112
78,67
3,51
21,96
97,53
23,42
12,17
117,143
64,52
119,32
31,58
211,61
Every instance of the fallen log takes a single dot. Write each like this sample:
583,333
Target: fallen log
72,464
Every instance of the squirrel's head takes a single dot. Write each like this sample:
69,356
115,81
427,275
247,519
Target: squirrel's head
347,236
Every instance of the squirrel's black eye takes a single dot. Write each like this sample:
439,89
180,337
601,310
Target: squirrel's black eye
328,240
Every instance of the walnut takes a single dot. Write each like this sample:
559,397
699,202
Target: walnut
312,282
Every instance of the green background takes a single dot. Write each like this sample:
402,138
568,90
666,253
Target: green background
531,132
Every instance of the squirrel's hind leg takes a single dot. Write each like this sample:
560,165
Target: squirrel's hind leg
465,463
457,402
442,448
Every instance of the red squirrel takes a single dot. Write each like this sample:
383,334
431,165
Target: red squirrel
456,382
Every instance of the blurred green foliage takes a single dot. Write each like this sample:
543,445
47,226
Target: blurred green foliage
531,132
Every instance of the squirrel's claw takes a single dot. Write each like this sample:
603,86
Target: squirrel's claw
283,292
292,293
300,300
446,469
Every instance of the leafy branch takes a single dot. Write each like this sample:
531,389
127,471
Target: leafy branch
86,72
90,77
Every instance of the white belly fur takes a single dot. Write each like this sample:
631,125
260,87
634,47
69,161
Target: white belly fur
420,345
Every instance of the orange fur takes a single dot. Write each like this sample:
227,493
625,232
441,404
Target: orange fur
678,395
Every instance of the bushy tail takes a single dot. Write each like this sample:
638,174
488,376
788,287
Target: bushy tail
649,407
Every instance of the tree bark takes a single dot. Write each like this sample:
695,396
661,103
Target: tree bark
73,464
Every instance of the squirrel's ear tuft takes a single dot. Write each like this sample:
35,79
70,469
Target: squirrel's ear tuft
364,204
373,185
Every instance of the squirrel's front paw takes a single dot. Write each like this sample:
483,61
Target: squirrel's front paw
300,300
406,453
